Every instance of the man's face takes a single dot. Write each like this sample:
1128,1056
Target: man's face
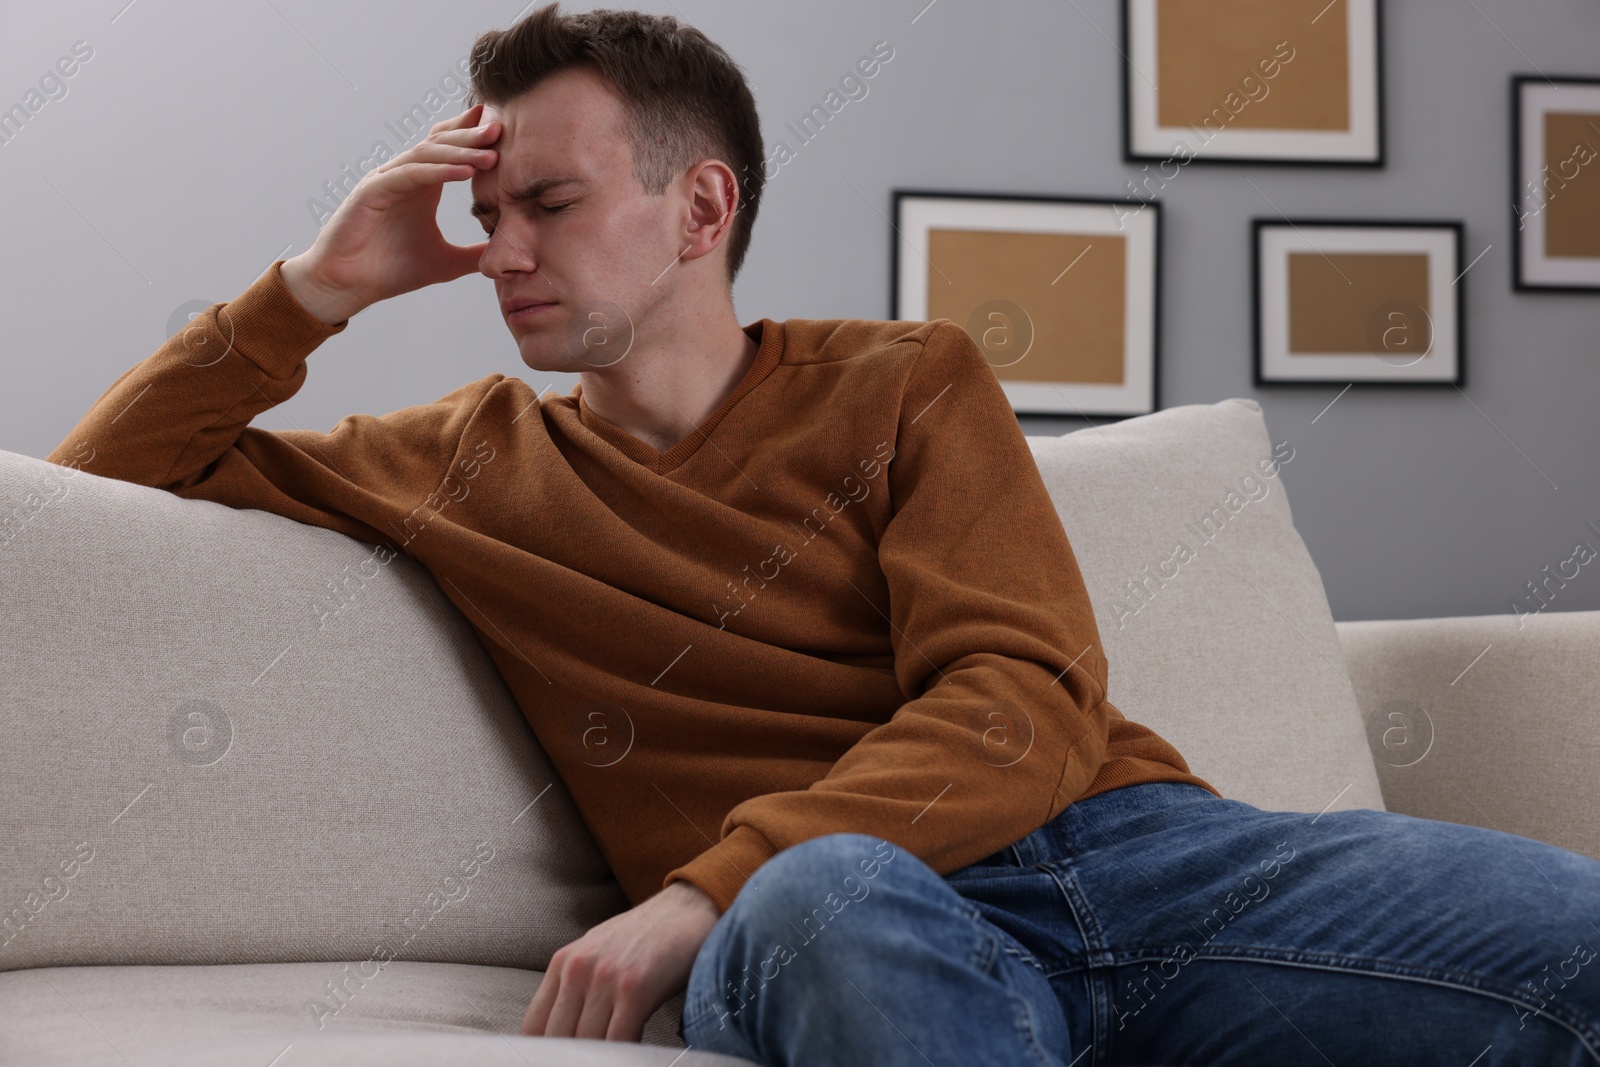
589,241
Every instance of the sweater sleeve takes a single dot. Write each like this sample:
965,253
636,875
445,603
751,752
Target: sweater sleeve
179,421
995,644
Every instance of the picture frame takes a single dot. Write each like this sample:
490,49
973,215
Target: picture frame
1346,301
1555,183
1062,294
1296,82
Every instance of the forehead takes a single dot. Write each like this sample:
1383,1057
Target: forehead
569,125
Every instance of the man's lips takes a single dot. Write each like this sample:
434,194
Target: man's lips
511,307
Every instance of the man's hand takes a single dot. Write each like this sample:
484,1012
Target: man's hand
384,239
607,983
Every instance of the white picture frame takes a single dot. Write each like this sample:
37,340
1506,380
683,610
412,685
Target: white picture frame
1224,141
1386,354
1136,228
1542,194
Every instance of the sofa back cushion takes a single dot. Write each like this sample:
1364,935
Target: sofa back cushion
1213,616
231,737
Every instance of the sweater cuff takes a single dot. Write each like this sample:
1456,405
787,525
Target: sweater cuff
722,869
268,326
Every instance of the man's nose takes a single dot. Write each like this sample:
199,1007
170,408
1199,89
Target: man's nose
506,253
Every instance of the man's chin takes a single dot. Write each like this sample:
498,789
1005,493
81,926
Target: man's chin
552,354
542,340
562,340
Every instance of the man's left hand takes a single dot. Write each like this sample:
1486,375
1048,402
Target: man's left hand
607,983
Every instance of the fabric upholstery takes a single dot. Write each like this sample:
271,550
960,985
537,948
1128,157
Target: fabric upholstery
1231,655
1490,720
246,756
406,1015
268,746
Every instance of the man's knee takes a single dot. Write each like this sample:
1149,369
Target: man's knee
810,882
784,918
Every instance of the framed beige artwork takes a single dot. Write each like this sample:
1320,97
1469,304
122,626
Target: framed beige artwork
1340,301
1264,81
1555,151
1060,293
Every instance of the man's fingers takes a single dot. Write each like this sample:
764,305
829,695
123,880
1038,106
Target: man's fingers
434,152
407,178
474,136
468,117
628,1019
464,259
538,1014
595,1018
564,1013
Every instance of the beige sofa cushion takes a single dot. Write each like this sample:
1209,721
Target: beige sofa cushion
231,737
247,1015
1230,651
1488,720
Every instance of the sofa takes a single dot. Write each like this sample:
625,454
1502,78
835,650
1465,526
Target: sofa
264,799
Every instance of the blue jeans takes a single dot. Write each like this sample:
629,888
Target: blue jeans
1159,924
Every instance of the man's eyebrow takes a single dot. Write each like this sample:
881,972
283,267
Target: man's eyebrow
531,191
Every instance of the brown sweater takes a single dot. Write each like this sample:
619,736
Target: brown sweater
845,602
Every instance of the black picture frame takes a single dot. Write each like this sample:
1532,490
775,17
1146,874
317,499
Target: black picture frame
1456,228
1132,155
899,197
1520,178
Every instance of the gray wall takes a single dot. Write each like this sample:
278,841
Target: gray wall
180,160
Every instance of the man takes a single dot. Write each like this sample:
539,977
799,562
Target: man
855,767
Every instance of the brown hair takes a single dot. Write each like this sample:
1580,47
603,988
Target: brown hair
684,97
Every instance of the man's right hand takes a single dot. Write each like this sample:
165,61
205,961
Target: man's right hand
384,239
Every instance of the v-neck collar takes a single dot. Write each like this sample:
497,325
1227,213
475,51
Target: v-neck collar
765,332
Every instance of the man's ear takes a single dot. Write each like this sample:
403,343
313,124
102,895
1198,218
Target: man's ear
713,202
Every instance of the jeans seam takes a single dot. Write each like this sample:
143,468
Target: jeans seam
1094,940
986,953
1094,950
687,1020
1467,979
1027,1028
996,943
1025,956
697,1010
1348,964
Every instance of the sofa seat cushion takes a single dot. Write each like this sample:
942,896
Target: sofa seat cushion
406,1013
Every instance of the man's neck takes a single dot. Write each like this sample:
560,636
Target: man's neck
670,383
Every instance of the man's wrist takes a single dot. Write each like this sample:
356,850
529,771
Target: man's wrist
330,307
693,893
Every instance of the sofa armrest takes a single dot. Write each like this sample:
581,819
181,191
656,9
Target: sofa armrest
1489,720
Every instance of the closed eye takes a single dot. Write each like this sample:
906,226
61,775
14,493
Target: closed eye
551,209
